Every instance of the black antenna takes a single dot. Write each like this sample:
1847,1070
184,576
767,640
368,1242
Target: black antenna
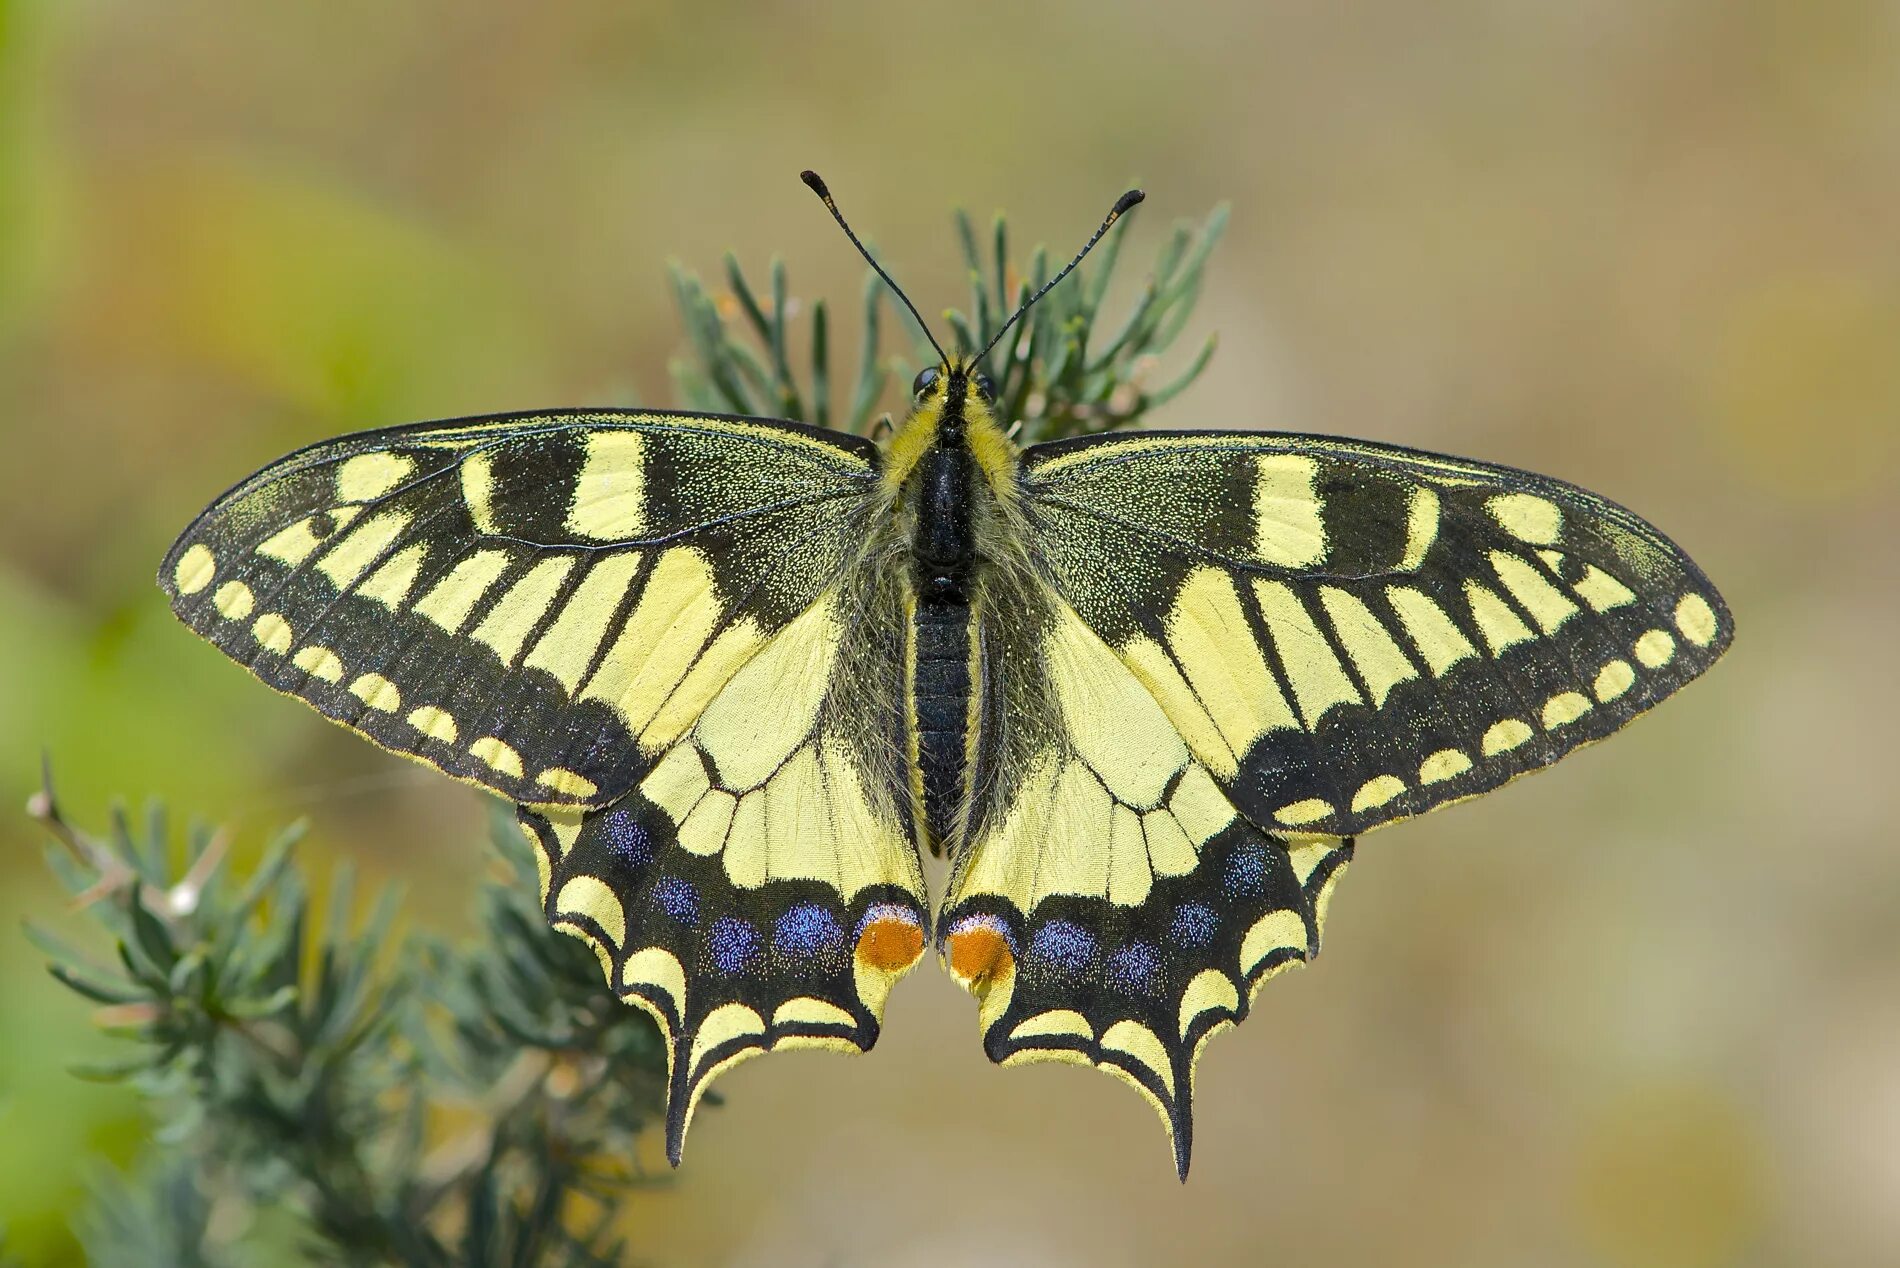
818,187
1122,204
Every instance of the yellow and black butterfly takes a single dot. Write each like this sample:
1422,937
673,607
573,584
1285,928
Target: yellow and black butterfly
1142,689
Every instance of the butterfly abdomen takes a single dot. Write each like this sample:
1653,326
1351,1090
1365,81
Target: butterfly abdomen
940,694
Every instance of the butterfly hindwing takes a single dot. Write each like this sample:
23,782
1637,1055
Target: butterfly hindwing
1113,908
758,889
1346,634
539,604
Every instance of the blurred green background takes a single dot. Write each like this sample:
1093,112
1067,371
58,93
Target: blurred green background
1644,1010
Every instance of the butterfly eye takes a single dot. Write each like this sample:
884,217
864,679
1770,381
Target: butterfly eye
984,387
925,380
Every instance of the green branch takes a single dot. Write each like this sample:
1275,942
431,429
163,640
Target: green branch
1054,375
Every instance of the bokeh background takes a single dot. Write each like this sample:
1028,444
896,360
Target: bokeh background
1643,1010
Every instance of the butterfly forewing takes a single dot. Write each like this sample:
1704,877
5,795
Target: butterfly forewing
1345,634
539,604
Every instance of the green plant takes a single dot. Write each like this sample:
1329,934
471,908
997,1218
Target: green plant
1055,376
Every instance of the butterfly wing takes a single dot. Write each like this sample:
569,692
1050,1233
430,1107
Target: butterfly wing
1254,648
654,632
1347,634
538,604
759,888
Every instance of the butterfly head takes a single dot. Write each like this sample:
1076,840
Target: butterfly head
951,385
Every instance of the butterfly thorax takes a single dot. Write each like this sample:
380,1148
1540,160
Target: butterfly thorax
950,466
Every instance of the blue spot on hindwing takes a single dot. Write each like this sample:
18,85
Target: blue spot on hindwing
733,943
1193,926
1246,874
1136,969
678,899
808,929
625,838
1063,945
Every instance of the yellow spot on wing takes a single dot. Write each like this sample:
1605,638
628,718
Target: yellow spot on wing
1614,679
1696,619
1434,633
1655,648
715,667
195,569
656,967
609,495
233,600
1215,644
390,584
568,647
1495,620
1602,591
498,754
357,549
1319,681
566,782
723,1025
674,618
806,1010
1375,792
319,662
1421,527
1209,990
1270,933
434,722
1130,876
521,607
1527,517
1504,736
450,600
1563,708
1312,810
1288,530
1132,1039
1446,763
478,490
273,632
589,896
377,692
1056,1022
370,475
1374,653
1548,605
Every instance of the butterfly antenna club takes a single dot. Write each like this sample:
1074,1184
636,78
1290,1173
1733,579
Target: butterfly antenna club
823,191
1122,204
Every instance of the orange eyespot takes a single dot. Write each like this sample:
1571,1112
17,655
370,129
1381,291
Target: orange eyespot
979,952
890,939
